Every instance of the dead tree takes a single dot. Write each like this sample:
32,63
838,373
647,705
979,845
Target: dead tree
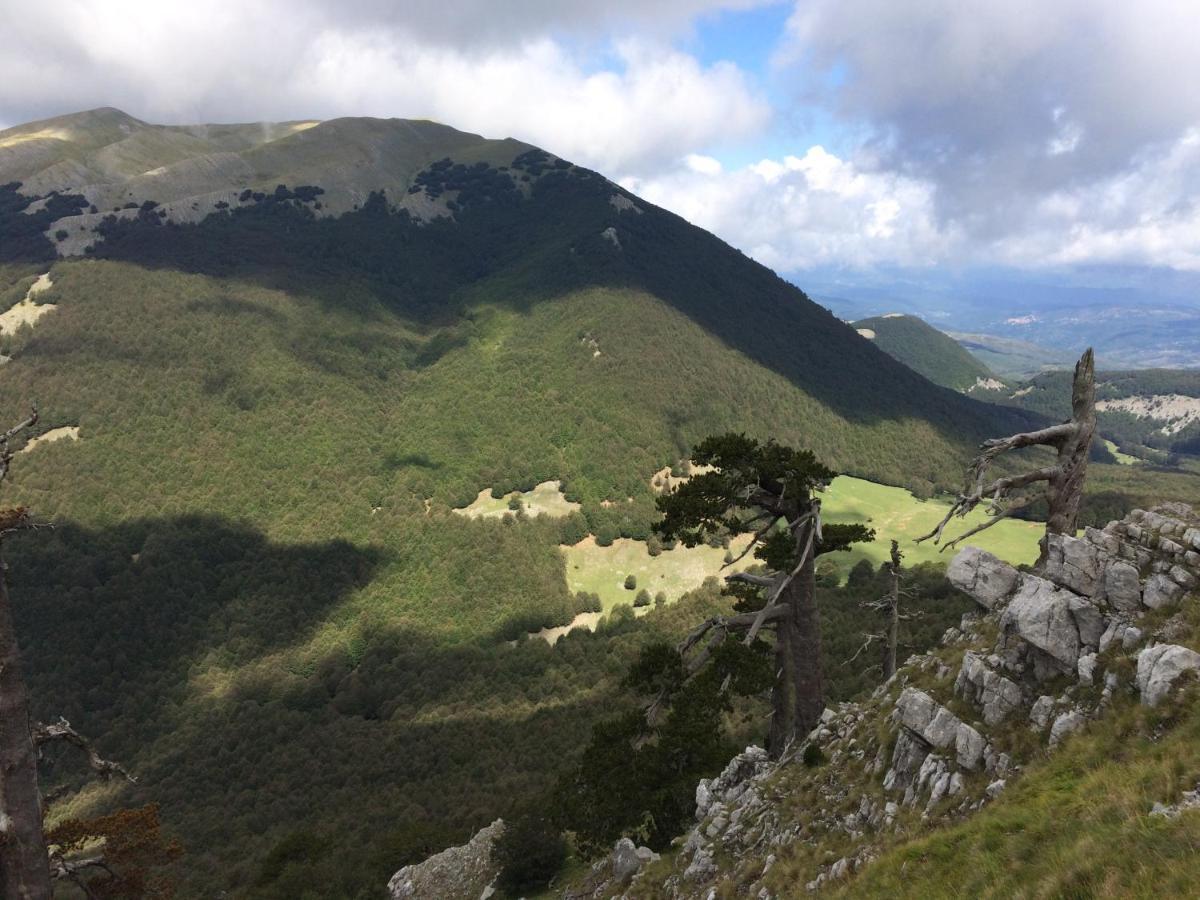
1063,481
25,864
889,605
767,491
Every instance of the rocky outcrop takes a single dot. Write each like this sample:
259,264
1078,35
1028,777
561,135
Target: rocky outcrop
995,695
459,873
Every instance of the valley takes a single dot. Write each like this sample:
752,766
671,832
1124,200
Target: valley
324,477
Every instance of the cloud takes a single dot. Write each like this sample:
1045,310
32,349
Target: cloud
1000,104
636,105
818,210
813,210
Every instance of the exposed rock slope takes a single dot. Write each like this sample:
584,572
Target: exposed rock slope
1043,657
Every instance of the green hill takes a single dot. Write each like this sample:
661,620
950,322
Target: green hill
258,596
926,350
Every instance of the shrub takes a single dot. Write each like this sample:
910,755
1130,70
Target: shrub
660,598
530,853
654,545
812,756
630,582
642,598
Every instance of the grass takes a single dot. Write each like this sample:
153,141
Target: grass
1075,824
545,499
1123,459
895,513
892,512
602,570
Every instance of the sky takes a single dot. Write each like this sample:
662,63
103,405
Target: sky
858,135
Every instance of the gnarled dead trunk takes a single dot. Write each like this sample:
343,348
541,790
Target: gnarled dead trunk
24,865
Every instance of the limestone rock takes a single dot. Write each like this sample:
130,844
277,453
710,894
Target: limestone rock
939,727
627,858
985,578
1073,564
994,694
1158,668
1122,586
1160,591
458,873
1065,724
1058,622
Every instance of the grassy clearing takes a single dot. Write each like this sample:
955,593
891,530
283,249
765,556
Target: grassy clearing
892,512
896,513
1123,459
545,499
602,570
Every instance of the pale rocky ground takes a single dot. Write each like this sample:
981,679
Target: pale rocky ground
27,312
1042,653
1176,411
66,432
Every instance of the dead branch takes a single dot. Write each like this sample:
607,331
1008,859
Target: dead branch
62,731
871,639
6,453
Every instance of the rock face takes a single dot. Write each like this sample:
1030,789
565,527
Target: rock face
986,578
1160,666
459,873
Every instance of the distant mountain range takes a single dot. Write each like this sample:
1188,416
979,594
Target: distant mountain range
1142,319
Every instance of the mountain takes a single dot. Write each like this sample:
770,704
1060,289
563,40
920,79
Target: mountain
272,360
1153,412
1011,358
1134,317
926,350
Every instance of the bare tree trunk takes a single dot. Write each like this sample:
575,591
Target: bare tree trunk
24,865
893,636
799,693
1064,491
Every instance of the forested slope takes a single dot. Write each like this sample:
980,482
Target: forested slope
258,597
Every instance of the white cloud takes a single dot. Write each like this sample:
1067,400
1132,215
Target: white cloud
643,105
806,211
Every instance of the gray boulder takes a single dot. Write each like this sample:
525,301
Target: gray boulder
1160,666
985,578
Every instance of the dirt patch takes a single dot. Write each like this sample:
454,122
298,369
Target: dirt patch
27,312
66,432
546,499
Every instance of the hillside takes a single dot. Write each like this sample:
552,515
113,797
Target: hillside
926,350
1153,412
258,595
1066,696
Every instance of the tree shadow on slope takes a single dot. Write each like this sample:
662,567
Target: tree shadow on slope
114,621
567,235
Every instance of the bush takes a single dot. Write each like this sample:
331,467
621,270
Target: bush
530,853
630,582
642,598
654,545
812,757
660,598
